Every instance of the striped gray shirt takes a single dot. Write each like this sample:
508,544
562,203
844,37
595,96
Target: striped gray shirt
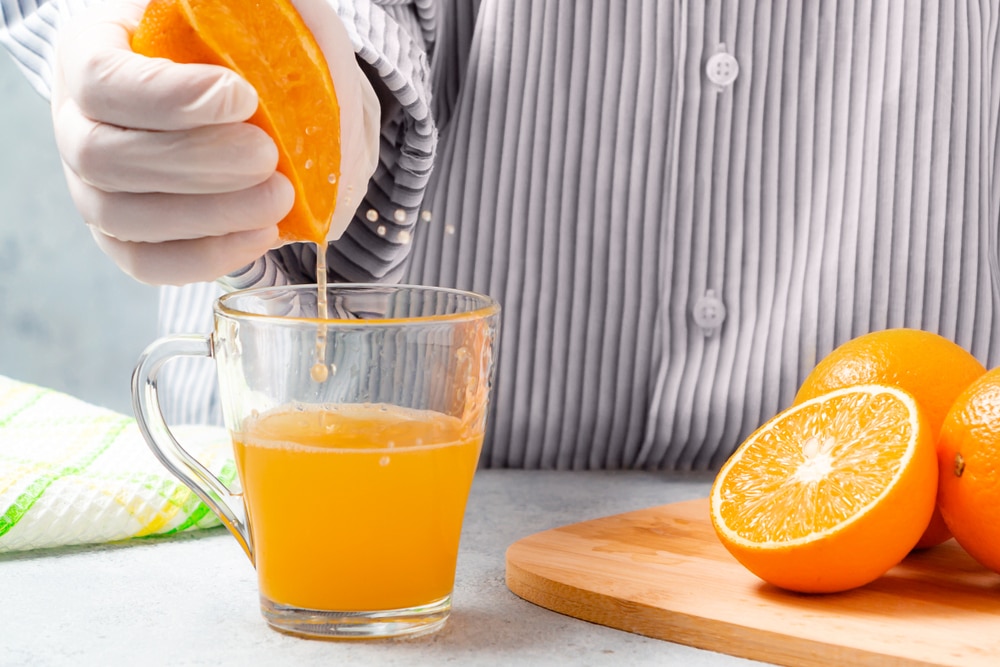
681,205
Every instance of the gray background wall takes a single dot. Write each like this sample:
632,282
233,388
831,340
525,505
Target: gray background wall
69,318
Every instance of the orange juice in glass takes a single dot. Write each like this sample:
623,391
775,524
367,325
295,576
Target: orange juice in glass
354,481
387,486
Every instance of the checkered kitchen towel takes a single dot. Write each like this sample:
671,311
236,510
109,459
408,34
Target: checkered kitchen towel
74,473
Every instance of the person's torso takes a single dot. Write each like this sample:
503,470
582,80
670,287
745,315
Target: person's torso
682,206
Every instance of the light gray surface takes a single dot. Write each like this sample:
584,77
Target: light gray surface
69,318
193,600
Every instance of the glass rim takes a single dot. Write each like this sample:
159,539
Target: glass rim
489,306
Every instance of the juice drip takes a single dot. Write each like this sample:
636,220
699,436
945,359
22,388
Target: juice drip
319,371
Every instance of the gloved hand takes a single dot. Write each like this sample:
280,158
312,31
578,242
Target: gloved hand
175,186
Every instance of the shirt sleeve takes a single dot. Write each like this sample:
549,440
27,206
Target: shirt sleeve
28,32
393,39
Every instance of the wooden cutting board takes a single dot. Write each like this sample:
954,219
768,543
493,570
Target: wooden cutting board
662,572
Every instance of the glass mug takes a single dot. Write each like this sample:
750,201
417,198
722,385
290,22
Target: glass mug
356,438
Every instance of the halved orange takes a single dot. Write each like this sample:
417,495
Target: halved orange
269,45
831,493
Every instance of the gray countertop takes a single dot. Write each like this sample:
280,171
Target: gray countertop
192,600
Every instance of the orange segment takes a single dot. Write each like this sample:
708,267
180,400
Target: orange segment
830,494
269,45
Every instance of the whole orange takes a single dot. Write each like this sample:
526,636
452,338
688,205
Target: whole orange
932,368
968,451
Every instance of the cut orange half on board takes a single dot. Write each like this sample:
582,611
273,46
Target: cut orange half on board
269,45
831,493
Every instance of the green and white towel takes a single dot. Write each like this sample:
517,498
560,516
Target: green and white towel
74,473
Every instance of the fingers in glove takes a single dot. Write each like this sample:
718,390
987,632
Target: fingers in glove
213,158
158,217
112,84
182,262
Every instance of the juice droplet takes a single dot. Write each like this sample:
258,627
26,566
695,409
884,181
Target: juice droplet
384,461
425,216
332,178
380,230
309,164
319,372
333,369
372,215
449,229
403,236
399,215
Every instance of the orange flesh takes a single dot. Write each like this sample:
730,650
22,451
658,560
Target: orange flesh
853,454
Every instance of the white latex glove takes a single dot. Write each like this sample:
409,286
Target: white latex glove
175,186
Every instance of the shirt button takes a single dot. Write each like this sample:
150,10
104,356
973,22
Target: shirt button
722,69
709,312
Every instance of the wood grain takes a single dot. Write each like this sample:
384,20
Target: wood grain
662,572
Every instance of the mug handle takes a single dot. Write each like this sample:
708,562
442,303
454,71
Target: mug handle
149,417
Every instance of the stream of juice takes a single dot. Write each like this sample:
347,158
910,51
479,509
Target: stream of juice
319,370
356,507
